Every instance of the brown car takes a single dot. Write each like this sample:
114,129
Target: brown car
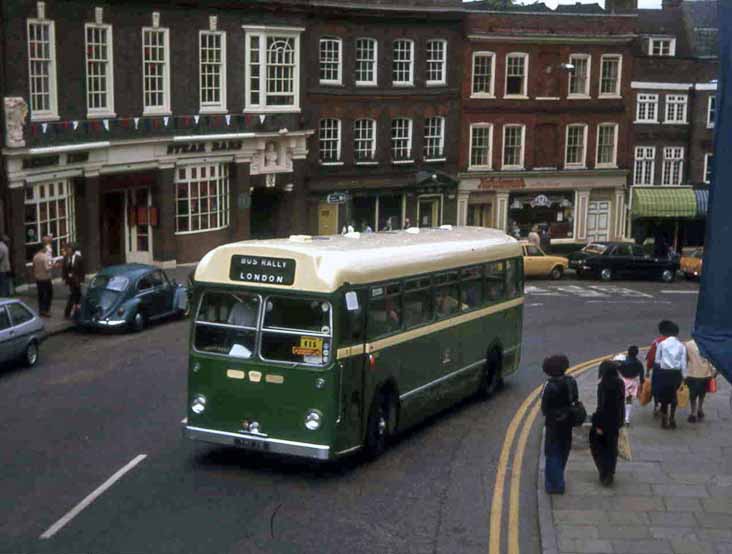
691,264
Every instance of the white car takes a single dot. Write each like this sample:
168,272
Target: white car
21,332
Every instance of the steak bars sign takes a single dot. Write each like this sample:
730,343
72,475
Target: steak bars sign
258,269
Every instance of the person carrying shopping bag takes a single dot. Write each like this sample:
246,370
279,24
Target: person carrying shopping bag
669,370
700,372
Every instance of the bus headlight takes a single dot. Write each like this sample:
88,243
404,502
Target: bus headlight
199,404
313,420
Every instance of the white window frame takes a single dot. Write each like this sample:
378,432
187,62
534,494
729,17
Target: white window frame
374,62
576,165
481,167
614,162
371,159
671,46
670,159
492,92
644,165
262,33
440,139
442,61
337,140
618,82
44,226
394,61
165,108
520,165
410,149
51,114
645,99
338,62
220,106
674,102
573,75
707,176
525,79
108,110
711,110
222,196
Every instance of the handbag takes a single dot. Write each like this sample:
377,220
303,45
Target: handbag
645,392
712,385
682,396
577,411
624,445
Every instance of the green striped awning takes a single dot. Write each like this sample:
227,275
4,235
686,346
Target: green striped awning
664,202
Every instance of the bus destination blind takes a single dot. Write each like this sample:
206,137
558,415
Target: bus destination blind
259,269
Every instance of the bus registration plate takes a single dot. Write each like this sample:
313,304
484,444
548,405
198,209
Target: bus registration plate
251,444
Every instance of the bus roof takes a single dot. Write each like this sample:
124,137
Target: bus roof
324,264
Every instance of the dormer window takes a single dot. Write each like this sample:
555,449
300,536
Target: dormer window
662,46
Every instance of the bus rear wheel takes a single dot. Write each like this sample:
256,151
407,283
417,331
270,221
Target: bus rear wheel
492,378
380,424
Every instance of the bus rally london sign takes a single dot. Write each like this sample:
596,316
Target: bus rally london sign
259,269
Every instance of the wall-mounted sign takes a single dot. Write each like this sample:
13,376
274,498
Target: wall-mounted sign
499,183
337,198
40,161
258,269
541,201
196,147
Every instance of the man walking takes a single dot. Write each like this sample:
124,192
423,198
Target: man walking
42,276
4,266
74,274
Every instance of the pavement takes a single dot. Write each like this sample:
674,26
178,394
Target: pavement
675,496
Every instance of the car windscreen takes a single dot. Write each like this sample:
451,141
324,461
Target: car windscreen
114,283
595,248
226,323
296,330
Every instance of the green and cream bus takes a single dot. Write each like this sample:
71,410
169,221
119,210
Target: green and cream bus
321,346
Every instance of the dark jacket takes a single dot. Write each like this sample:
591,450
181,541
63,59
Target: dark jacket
74,271
558,395
631,368
610,411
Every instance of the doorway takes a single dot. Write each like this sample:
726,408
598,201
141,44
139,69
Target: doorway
112,228
327,219
429,211
264,213
138,226
598,220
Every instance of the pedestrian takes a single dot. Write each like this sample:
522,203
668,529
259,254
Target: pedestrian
663,328
389,225
545,238
42,276
607,421
631,372
699,372
407,223
534,237
74,274
669,369
560,392
5,270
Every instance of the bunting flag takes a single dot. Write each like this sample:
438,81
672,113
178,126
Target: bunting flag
228,120
75,125
137,121
106,124
44,126
262,117
713,326
196,118
165,120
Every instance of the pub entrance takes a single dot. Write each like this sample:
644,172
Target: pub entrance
112,228
265,212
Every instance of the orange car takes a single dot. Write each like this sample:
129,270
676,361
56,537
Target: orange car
539,264
691,265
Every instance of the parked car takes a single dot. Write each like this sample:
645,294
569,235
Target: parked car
130,296
539,264
691,264
21,332
611,260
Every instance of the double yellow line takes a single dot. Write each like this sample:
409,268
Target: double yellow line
518,458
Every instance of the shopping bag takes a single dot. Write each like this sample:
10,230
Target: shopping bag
712,385
644,394
624,445
682,396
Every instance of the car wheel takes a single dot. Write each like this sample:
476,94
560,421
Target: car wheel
668,276
379,425
606,274
557,273
138,322
31,354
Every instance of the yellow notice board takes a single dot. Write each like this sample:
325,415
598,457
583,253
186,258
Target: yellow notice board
309,346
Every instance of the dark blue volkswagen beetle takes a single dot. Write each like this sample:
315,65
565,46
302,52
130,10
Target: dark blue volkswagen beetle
130,296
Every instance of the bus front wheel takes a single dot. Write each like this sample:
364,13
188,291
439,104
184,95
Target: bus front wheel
491,379
380,424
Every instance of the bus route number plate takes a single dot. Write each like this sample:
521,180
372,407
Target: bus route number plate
265,270
251,444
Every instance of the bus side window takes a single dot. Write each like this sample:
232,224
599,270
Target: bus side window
385,310
353,332
471,287
418,307
512,278
495,281
447,294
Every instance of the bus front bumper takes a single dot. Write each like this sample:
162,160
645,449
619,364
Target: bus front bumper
258,444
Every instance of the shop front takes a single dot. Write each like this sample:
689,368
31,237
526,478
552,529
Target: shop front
674,216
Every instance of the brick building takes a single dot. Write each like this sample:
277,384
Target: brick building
674,96
547,121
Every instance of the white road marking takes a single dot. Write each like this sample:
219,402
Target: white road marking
583,292
622,291
628,302
540,292
534,304
679,292
184,420
92,497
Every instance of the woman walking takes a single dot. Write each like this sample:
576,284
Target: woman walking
699,372
669,368
607,421
631,372
560,392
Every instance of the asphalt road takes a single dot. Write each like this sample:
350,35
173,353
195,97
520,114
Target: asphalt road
97,402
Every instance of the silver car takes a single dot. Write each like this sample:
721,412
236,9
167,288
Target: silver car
21,332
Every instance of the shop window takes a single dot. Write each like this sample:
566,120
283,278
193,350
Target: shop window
402,73
156,71
434,138
330,60
607,145
390,208
645,159
516,74
99,71
436,62
329,140
42,69
481,138
550,211
447,294
384,315
483,74
363,212
646,108
401,139
579,78
418,307
366,49
610,75
202,198
676,108
272,70
364,140
471,288
673,165
212,70
49,210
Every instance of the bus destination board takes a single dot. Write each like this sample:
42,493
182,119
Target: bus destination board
259,269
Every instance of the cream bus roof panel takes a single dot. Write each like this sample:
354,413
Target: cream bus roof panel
324,264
